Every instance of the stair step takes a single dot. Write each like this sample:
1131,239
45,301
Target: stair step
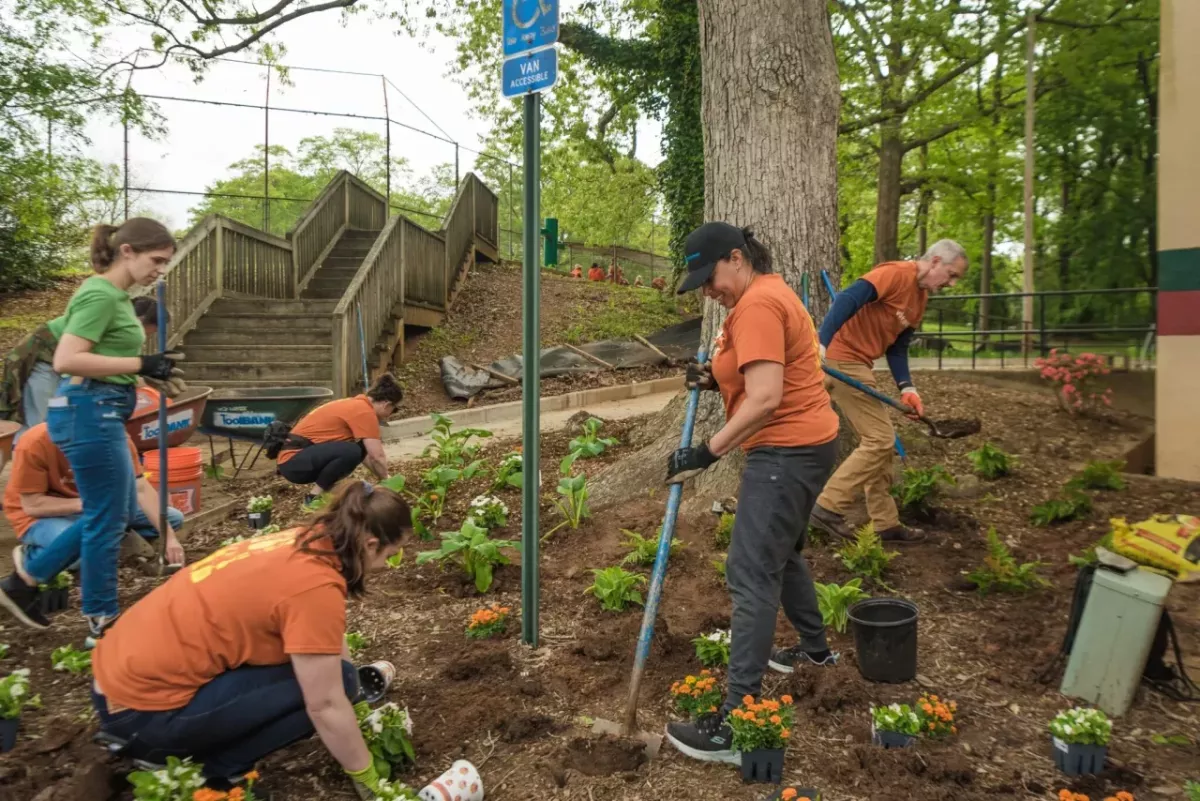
357,249
239,306
335,273
201,372
206,336
353,234
342,262
257,352
326,384
299,323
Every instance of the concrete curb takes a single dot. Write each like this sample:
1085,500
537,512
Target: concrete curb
418,426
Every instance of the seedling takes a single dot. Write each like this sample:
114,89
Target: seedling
724,533
865,555
713,649
1097,475
453,448
260,503
1178,740
644,550
573,505
488,511
473,551
488,622
396,559
1072,505
834,601
440,478
214,471
697,695
388,732
991,462
61,581
14,694
590,444
616,588
65,657
395,483
508,473
919,487
177,781
356,641
719,566
897,718
1001,572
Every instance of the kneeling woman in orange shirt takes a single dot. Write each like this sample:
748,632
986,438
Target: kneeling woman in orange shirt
244,652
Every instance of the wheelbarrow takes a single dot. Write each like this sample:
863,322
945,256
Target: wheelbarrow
183,417
244,414
8,431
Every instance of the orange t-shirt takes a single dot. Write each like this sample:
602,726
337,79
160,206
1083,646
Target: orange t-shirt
770,324
900,304
345,420
595,274
254,602
39,467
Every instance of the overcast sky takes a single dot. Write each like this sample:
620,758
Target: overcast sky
202,140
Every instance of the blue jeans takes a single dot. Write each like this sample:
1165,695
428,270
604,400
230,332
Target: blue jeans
232,722
87,423
36,394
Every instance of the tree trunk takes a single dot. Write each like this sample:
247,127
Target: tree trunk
985,262
887,204
769,81
925,200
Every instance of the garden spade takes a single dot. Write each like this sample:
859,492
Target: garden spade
628,727
946,429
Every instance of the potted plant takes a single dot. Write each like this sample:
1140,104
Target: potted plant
760,732
258,511
1080,737
894,726
490,621
936,716
697,695
14,697
55,592
795,794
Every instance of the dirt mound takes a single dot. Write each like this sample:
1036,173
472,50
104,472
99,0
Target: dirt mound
831,689
468,665
527,727
604,755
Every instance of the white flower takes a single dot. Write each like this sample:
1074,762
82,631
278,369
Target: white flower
719,636
17,690
23,672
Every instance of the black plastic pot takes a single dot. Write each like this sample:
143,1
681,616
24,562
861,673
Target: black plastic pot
53,600
259,520
885,639
1075,759
764,766
891,739
8,733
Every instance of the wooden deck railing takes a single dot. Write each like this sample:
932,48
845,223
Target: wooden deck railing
318,230
366,209
254,262
487,211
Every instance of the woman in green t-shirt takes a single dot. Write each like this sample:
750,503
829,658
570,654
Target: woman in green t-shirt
98,354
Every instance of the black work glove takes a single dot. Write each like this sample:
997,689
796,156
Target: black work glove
685,463
161,365
700,375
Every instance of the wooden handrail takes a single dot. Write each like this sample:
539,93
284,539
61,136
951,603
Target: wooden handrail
317,203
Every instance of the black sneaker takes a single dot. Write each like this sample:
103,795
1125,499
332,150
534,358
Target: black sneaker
786,660
831,523
709,739
96,628
22,602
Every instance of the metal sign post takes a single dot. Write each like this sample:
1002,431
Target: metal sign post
530,31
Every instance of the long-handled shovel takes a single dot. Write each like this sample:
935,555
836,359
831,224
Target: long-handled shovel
946,429
628,728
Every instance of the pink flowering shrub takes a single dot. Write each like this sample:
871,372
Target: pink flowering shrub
1077,380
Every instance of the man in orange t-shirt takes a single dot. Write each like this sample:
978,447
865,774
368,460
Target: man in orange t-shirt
875,318
595,272
41,500
332,440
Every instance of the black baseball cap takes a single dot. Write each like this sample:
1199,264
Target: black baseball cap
703,248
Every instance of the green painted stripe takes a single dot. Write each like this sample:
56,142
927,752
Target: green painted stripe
1179,270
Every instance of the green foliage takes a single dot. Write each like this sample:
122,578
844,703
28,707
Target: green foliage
3,650
453,448
615,588
1177,740
865,555
395,483
508,473
1100,475
589,443
388,733
14,694
835,601
918,487
719,566
488,511
1088,556
644,550
61,581
1082,726
697,695
176,782
991,462
1071,505
66,657
724,532
713,649
625,313
1192,789
475,553
573,502
761,726
897,718
356,641
1000,571
260,503
395,560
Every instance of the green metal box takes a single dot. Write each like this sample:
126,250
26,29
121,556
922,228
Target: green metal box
1114,638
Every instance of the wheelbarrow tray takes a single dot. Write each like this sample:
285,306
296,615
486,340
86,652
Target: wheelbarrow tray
244,414
183,416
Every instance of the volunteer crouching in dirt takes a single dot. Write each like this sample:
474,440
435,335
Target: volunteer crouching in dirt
876,317
332,440
98,354
41,500
243,652
28,380
766,366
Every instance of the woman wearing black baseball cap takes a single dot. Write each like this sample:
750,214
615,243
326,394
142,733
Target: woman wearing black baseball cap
766,365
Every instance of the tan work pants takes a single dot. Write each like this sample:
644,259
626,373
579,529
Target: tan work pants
869,467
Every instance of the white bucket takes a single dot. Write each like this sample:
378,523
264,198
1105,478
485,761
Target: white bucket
460,783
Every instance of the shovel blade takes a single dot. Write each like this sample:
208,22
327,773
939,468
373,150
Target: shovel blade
651,742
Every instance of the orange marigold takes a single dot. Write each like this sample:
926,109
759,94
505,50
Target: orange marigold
1124,796
786,733
776,719
1065,795
237,794
252,776
748,700
787,699
788,794
206,794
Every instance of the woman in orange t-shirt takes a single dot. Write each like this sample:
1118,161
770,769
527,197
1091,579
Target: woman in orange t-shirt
767,367
244,652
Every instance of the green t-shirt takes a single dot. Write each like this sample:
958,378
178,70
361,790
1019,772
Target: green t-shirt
103,315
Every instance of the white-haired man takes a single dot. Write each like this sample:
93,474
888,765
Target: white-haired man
875,317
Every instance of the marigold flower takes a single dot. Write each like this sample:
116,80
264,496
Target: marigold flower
252,776
787,699
786,733
788,794
237,794
1065,795
1124,796
206,794
776,719
747,699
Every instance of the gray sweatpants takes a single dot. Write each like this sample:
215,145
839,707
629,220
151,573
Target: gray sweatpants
765,566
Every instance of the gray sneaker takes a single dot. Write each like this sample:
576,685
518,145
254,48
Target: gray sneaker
831,523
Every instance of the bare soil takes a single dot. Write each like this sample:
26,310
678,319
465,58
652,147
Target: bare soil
523,715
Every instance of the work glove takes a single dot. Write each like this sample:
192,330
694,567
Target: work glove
700,375
366,782
685,463
821,350
910,398
161,365
173,387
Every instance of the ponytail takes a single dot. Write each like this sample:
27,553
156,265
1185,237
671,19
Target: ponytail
756,252
146,309
142,234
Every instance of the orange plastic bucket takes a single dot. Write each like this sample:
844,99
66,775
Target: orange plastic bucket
185,469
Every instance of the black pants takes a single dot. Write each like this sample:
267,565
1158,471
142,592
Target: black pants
324,464
765,565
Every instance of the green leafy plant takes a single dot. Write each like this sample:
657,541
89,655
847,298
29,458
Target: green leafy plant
176,782
395,483
1178,740
61,581
488,622
65,657
508,473
991,462
3,650
488,511
260,503
762,726
615,588
1100,475
918,487
1192,789
214,471
356,641
724,533
1088,557
473,550
14,694
573,504
713,649
1071,505
865,556
395,559
897,718
441,477
719,566
1082,726
834,601
697,695
644,550
1001,572
395,791
388,732
590,444
453,448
